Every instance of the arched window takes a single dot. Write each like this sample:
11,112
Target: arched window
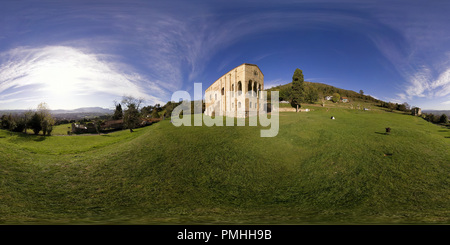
215,96
249,87
223,91
239,104
250,105
239,88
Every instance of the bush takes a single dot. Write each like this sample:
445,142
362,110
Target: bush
35,123
443,119
336,97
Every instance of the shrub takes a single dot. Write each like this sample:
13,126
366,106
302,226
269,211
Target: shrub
443,119
35,123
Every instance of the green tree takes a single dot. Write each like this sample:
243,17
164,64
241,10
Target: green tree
311,95
401,107
11,123
6,121
20,123
430,117
131,115
118,113
407,107
47,127
98,124
146,110
27,117
285,93
155,114
298,89
443,119
35,123
47,121
336,97
392,106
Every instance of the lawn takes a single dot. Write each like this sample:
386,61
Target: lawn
316,170
62,129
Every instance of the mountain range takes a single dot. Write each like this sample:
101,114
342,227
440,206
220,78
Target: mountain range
438,112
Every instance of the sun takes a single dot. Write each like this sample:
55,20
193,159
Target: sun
66,77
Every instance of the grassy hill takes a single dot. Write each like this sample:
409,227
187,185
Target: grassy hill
316,170
325,90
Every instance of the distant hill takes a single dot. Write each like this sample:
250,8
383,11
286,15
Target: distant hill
438,112
75,114
83,110
80,113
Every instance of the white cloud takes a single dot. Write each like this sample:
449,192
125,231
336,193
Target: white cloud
274,83
442,84
423,84
63,74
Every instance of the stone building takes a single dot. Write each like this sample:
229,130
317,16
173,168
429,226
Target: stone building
416,111
229,95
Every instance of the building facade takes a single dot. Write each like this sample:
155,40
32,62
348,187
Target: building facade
416,111
237,93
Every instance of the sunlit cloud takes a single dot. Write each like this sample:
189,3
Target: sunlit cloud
423,84
274,83
442,84
67,76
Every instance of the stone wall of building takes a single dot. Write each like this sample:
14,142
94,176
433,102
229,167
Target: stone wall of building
228,95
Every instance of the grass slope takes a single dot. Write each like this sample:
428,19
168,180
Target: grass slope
316,170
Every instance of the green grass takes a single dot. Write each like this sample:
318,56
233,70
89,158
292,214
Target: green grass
62,129
316,170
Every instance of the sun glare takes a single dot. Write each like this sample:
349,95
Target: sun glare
59,79
66,77
65,74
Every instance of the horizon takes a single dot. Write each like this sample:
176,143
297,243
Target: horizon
82,54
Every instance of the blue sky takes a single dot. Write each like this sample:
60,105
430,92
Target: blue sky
73,54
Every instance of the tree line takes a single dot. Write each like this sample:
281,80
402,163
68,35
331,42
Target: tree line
430,117
37,121
130,110
133,112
